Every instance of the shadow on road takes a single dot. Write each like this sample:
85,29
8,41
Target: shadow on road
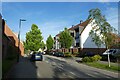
23,69
63,70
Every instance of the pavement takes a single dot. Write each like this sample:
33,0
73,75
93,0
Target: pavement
23,69
57,67
112,63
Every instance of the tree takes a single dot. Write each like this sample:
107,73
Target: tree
49,42
33,38
101,34
65,39
95,38
42,45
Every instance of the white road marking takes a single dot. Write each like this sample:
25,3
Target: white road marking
72,73
91,75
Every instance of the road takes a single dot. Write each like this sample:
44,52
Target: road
56,67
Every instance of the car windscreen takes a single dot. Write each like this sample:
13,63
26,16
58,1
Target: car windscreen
110,51
114,51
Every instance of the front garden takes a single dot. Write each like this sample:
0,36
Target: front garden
94,61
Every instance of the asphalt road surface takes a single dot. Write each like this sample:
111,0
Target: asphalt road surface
56,67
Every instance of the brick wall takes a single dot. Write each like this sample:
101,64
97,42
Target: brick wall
5,43
84,50
22,49
14,39
92,50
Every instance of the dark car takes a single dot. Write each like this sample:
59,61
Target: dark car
36,56
59,54
88,54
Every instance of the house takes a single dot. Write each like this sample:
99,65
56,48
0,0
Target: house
10,41
82,40
116,41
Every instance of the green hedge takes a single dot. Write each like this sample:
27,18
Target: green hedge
75,53
67,54
92,59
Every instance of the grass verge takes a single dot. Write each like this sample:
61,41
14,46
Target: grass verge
103,66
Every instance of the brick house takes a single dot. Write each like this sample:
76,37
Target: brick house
9,39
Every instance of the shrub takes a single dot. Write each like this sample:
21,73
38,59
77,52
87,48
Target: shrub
96,57
67,54
86,59
92,59
75,54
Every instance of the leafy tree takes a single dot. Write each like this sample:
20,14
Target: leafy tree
33,38
101,34
49,42
42,45
65,39
95,38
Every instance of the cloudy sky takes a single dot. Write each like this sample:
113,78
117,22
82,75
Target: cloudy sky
52,17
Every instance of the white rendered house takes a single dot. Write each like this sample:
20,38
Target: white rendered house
80,33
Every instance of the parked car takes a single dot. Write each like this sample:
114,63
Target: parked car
36,56
112,51
58,54
113,54
88,54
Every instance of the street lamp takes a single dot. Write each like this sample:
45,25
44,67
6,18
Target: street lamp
19,38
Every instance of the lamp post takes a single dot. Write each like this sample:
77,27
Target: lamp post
19,38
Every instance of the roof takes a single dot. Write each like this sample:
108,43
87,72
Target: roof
58,34
83,25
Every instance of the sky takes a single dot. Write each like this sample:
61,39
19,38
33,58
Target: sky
52,17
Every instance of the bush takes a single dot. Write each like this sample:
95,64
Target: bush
96,58
67,54
92,59
86,59
75,54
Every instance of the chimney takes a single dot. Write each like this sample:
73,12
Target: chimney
72,25
81,21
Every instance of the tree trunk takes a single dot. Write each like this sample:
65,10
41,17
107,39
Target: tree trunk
108,60
98,50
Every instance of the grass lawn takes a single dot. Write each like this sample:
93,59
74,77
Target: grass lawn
103,66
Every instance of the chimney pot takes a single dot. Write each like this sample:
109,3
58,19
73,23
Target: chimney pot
72,25
81,21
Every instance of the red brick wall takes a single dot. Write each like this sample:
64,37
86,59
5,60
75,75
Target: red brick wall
22,49
5,44
15,40
84,50
93,50
75,50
